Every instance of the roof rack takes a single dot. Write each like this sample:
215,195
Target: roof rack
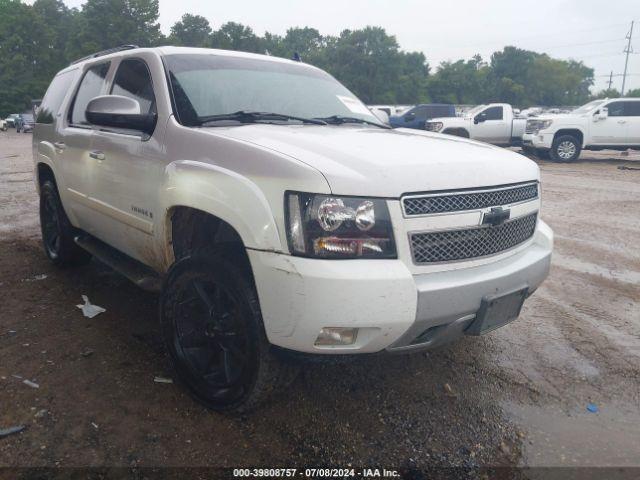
105,52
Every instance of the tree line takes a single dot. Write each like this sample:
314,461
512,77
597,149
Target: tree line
38,40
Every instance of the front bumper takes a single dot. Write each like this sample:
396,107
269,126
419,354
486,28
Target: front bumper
540,140
390,306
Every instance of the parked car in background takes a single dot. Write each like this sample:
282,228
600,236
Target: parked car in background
276,213
3,125
11,120
417,116
530,112
494,123
24,123
598,125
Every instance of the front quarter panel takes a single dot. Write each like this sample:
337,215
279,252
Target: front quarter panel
237,181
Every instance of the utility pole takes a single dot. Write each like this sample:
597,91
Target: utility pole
610,80
627,50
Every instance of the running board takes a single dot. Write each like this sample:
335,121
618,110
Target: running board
143,276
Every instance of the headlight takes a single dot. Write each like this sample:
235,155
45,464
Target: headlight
544,124
433,126
535,126
327,226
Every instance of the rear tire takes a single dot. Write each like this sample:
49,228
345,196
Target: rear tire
214,336
57,231
565,148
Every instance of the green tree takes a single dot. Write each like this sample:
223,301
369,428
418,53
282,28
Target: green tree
633,93
191,31
463,82
235,36
607,93
370,63
26,46
106,24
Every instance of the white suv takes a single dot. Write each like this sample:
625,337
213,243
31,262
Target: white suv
598,125
275,213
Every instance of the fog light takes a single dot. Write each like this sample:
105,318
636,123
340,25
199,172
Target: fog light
336,336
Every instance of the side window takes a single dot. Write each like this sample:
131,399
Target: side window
133,80
616,109
90,87
493,113
60,85
632,109
421,113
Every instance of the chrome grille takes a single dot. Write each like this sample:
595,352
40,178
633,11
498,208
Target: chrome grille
451,245
460,201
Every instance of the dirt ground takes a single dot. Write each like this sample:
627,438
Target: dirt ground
518,396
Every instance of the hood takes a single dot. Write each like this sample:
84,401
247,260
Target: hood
370,161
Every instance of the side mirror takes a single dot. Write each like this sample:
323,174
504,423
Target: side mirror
602,114
409,117
119,112
481,117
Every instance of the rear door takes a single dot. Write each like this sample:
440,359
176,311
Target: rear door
74,145
49,120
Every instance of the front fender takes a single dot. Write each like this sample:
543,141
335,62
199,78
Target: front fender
227,195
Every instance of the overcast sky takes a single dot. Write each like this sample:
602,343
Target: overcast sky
589,30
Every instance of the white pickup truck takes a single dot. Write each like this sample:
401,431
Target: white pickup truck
257,196
602,124
493,123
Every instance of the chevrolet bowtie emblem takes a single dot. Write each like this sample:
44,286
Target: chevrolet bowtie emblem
496,216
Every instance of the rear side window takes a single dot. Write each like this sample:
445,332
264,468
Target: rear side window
616,109
133,80
493,113
439,111
56,92
91,86
632,109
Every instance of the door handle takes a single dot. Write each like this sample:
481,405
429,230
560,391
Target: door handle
59,145
97,154
622,121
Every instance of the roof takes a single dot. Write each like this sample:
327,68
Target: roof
171,50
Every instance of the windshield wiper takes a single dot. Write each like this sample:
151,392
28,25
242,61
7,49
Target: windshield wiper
340,119
243,116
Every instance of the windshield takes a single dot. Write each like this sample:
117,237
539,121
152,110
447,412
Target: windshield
206,85
588,107
474,111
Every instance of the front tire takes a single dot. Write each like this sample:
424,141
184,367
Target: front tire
214,336
565,148
57,231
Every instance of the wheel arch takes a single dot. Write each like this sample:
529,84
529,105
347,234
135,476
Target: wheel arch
232,205
44,172
457,131
574,132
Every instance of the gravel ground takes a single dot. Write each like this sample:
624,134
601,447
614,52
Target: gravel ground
515,397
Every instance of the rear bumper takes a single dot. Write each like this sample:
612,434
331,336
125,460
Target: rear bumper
390,306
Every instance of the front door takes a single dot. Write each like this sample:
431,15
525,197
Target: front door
131,169
612,130
494,128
